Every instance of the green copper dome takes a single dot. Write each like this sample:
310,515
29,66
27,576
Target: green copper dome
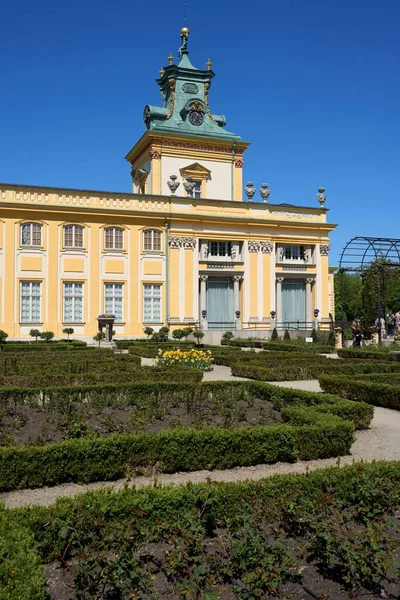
185,109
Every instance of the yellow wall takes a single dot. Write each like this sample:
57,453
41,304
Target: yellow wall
94,266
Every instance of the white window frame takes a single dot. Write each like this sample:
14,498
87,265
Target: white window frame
31,297
152,232
223,249
74,295
289,253
148,294
113,297
30,243
114,235
74,228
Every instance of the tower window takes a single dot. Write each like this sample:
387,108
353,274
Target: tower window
152,240
31,234
113,238
196,190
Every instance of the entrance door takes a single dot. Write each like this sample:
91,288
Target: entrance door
220,303
293,303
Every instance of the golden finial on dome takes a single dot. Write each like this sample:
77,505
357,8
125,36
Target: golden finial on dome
209,64
162,72
170,58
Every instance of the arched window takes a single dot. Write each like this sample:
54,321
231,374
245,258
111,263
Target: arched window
73,236
31,234
152,240
114,238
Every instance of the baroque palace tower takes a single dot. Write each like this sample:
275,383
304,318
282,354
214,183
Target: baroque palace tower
183,249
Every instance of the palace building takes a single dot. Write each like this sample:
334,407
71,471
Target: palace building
190,246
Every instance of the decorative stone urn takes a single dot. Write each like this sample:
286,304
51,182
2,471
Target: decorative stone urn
106,322
250,190
173,184
321,196
264,192
189,185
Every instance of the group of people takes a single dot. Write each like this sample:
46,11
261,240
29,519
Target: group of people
388,326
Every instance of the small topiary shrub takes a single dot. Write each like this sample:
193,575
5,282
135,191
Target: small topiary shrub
68,331
286,335
148,331
227,336
47,335
274,336
35,333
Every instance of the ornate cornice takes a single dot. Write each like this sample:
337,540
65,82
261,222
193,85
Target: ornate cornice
293,215
188,243
264,247
324,249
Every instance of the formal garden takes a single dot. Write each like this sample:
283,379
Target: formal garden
76,413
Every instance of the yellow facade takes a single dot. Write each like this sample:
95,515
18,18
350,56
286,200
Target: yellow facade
183,249
186,228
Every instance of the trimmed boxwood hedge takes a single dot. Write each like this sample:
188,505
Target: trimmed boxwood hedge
307,369
378,394
21,571
316,426
108,458
373,488
373,354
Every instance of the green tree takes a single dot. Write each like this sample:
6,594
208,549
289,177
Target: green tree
188,331
99,337
286,335
178,334
47,335
274,335
148,331
228,335
352,295
198,335
3,336
163,333
68,331
35,333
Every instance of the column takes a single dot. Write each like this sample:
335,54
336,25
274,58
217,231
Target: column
309,281
236,300
279,311
203,301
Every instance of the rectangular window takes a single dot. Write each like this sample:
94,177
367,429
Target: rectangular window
31,292
113,301
73,302
152,303
197,190
73,236
220,249
31,234
152,240
113,238
294,252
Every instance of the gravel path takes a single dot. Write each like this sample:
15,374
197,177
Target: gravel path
380,442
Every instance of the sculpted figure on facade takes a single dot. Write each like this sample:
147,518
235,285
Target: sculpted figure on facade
189,243
173,184
324,249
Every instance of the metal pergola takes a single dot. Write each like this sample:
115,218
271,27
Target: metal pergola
357,257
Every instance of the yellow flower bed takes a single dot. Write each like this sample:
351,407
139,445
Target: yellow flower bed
197,359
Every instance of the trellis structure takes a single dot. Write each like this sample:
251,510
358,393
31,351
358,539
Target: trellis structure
357,257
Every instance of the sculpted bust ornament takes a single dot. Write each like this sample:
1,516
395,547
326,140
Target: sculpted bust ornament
250,190
173,184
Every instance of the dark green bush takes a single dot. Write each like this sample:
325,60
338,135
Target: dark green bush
274,335
378,394
21,571
107,458
371,354
369,490
298,346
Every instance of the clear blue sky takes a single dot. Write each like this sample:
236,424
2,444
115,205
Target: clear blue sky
313,85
